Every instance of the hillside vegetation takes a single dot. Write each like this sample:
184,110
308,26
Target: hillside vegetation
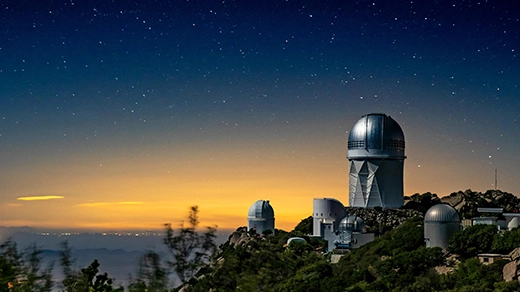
396,261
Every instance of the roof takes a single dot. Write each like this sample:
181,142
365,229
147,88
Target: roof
261,210
442,213
376,135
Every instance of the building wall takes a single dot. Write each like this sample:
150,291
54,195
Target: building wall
376,182
438,234
326,211
360,239
261,225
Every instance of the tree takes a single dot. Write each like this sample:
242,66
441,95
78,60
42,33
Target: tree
22,271
91,281
505,242
71,277
152,277
472,240
190,250
86,280
304,227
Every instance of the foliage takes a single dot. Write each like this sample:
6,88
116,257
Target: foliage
87,279
262,263
190,250
505,242
401,270
152,276
471,275
72,277
92,281
304,227
472,240
22,271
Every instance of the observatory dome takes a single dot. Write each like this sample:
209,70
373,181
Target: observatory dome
441,222
376,136
441,213
353,223
513,223
261,217
261,210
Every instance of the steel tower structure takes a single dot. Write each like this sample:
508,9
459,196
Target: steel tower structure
376,154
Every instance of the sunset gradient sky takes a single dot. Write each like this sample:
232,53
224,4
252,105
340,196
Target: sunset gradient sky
122,115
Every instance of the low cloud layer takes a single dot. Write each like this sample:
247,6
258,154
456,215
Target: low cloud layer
105,204
39,198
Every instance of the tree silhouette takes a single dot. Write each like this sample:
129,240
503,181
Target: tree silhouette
190,250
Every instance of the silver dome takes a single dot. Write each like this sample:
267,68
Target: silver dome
353,223
441,213
376,136
261,210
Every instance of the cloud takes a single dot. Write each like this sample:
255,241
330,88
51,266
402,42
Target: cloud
12,205
106,204
39,198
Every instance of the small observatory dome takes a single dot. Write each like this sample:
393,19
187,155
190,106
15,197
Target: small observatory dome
295,239
353,223
513,223
441,221
261,217
376,136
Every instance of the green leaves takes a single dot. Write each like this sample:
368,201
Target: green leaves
473,240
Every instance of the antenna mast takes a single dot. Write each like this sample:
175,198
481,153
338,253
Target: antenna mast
495,179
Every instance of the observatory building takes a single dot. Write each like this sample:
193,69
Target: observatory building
441,221
327,213
332,223
260,217
376,155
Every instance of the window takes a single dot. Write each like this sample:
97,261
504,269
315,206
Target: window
396,144
356,144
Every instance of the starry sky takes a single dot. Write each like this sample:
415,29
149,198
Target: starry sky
122,114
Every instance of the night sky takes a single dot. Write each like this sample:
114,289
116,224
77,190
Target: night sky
121,114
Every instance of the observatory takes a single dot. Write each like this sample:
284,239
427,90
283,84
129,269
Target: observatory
347,227
260,217
327,213
332,223
440,222
376,154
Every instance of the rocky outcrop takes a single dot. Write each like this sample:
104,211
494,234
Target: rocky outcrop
468,202
240,236
376,218
456,200
511,270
